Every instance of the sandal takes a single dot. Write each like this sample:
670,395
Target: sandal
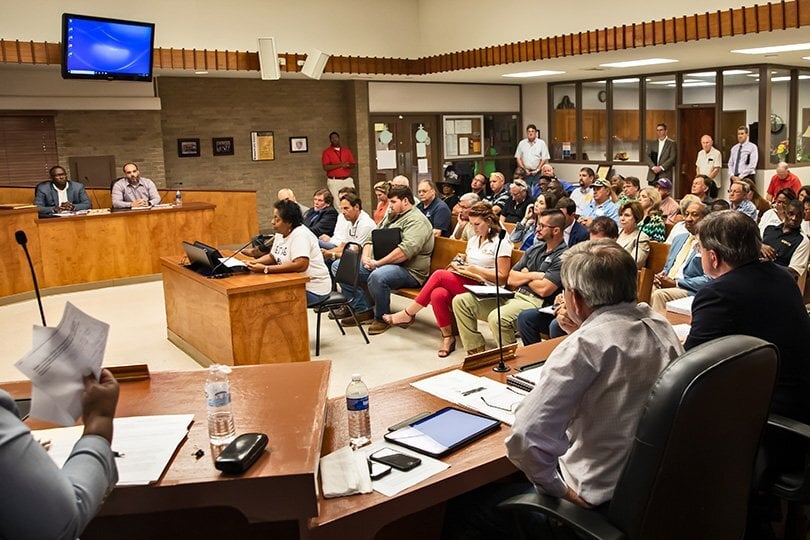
444,353
390,319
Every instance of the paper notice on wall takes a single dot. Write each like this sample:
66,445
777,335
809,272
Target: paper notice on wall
421,150
450,145
422,165
386,159
450,127
463,126
463,146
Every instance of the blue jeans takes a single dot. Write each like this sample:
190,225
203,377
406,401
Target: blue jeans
326,245
531,323
380,282
313,298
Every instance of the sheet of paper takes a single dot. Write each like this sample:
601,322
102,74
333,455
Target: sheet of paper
231,263
421,150
682,331
391,484
58,361
681,305
386,159
548,310
146,445
450,127
488,290
450,145
463,146
422,166
463,126
498,401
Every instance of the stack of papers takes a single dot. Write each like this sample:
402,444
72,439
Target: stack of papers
477,393
396,481
145,444
681,305
525,380
488,291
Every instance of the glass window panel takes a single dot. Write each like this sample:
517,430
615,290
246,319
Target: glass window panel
564,122
699,87
779,115
626,119
594,121
803,133
661,94
740,108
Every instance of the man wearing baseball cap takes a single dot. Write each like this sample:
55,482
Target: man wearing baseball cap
600,205
669,208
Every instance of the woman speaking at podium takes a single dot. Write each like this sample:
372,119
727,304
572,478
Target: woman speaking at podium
295,249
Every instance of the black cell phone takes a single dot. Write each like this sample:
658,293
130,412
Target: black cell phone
24,406
378,470
397,460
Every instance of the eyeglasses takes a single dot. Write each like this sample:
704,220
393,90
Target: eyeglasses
422,191
541,225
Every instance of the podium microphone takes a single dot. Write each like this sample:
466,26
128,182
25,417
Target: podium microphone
214,275
92,191
501,367
638,236
22,239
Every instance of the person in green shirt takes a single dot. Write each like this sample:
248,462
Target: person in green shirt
407,265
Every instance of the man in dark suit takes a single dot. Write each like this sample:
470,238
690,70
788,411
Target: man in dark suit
59,195
752,298
662,154
322,217
575,232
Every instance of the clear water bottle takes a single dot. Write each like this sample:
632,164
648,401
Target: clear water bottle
221,429
178,198
357,411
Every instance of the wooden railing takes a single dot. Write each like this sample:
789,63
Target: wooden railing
709,25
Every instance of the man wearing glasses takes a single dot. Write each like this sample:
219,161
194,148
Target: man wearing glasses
434,208
661,156
59,195
464,230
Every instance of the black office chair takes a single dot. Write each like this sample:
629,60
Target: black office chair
348,271
789,479
691,464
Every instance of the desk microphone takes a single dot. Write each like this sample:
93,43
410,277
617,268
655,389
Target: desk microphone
638,236
214,275
22,239
501,367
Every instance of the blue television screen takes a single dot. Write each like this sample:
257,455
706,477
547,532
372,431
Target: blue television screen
109,49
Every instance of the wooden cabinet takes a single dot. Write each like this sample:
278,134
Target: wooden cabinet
565,126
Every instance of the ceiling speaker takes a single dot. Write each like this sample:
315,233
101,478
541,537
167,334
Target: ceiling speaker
268,59
315,64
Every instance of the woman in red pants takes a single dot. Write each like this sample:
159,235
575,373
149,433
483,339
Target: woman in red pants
476,265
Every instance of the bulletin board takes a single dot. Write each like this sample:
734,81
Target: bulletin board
463,136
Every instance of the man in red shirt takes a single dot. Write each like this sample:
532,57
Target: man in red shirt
337,162
783,179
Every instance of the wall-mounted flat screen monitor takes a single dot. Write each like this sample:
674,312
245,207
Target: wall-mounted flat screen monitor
107,49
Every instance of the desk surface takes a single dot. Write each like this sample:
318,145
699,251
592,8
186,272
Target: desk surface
472,466
285,401
238,283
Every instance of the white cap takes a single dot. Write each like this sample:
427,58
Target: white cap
355,376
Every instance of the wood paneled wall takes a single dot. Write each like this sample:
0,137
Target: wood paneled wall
708,25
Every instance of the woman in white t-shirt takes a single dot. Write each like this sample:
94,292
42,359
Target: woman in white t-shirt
475,266
295,249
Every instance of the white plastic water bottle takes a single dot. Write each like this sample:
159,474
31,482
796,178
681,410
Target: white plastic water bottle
221,429
358,412
178,198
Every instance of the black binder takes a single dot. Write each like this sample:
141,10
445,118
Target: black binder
385,241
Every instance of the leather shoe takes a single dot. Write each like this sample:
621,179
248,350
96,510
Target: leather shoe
340,313
363,316
378,327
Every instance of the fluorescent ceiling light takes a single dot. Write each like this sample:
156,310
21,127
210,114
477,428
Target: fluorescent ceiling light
787,78
636,63
736,72
703,74
526,74
775,49
805,57
697,83
625,81
664,82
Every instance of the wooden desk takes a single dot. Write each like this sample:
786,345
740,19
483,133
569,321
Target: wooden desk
82,249
281,485
15,277
243,319
480,463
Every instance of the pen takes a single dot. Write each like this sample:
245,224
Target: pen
118,454
529,366
473,391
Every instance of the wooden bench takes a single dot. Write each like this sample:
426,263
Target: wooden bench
655,264
444,250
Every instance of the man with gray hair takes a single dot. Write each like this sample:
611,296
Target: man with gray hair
560,438
738,199
781,180
464,230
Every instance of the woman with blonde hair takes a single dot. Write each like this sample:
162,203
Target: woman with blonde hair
476,265
381,190
653,224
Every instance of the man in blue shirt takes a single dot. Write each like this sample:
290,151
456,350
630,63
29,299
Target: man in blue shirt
600,205
434,208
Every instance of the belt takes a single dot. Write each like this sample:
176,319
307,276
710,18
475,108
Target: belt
526,291
336,178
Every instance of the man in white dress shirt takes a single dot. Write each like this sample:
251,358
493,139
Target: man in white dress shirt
531,155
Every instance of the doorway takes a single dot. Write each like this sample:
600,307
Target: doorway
694,121
406,145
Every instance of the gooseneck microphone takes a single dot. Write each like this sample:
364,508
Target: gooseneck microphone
501,367
638,236
22,239
214,275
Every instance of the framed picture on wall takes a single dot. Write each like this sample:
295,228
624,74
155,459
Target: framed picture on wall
188,147
261,146
298,144
222,146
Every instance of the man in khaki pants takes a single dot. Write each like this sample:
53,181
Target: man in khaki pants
337,162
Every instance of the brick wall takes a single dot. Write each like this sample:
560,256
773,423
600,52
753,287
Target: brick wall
206,108
128,135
